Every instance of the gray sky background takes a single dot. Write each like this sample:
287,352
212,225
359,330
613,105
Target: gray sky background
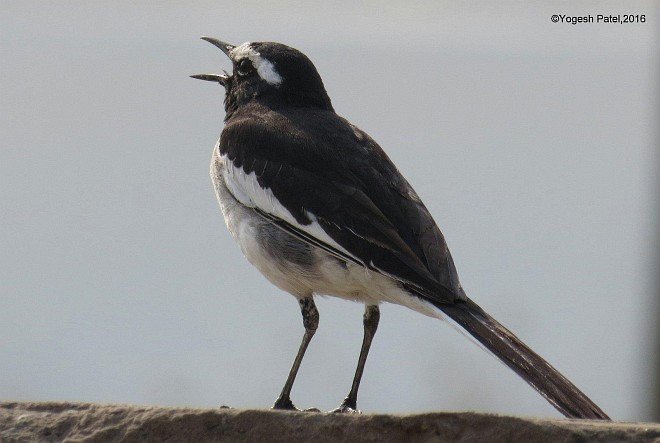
531,142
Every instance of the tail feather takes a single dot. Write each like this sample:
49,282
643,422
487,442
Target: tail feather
556,388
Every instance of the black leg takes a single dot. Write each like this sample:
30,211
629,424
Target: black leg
310,321
370,321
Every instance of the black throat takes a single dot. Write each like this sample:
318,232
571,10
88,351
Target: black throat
308,93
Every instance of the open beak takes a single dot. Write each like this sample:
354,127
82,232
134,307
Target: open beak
224,47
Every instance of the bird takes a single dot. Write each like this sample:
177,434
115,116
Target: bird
318,207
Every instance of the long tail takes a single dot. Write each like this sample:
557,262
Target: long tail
556,388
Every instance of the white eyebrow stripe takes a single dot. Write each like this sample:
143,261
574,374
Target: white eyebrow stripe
265,68
241,51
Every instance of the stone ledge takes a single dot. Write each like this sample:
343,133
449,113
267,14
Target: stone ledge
92,422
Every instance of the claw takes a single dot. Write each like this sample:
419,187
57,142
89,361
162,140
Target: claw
343,409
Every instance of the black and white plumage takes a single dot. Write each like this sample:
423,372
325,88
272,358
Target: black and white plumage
317,206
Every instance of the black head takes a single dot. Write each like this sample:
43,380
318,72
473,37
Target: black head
270,73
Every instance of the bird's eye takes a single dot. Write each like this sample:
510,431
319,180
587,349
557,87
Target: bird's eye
244,67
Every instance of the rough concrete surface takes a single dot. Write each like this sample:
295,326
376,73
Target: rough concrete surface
89,422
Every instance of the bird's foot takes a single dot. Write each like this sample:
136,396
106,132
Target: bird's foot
285,404
346,408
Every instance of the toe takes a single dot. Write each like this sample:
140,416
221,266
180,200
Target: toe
343,409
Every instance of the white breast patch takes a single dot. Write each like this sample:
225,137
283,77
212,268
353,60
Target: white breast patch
246,189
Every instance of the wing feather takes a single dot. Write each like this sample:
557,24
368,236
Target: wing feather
333,187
